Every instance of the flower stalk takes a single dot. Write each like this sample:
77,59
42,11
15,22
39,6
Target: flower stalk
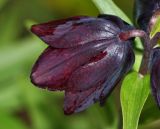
144,68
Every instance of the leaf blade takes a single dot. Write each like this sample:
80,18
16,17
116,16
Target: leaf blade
109,7
134,93
156,28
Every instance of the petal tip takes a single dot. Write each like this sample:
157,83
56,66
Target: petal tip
68,110
33,28
36,29
33,79
36,81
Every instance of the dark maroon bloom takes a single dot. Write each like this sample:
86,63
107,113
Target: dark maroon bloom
147,12
155,75
144,10
86,58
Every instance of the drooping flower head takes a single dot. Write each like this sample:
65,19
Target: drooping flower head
86,58
144,10
155,75
147,13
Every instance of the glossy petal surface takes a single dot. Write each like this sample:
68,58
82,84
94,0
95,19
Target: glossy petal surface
98,70
144,10
122,25
95,81
78,101
155,75
55,66
75,31
125,65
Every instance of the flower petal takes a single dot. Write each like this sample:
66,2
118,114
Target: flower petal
95,81
155,75
98,70
75,31
78,101
144,10
54,66
117,21
125,65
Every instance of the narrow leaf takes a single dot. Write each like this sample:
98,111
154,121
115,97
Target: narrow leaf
109,7
138,59
134,93
156,28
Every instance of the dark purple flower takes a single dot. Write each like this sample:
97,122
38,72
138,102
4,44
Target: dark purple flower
147,12
86,58
155,75
144,10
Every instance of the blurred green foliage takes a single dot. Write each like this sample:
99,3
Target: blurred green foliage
23,106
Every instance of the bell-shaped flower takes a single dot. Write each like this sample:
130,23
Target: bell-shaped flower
86,58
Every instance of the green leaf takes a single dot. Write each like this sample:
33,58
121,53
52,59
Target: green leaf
138,43
156,28
138,59
134,93
109,7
